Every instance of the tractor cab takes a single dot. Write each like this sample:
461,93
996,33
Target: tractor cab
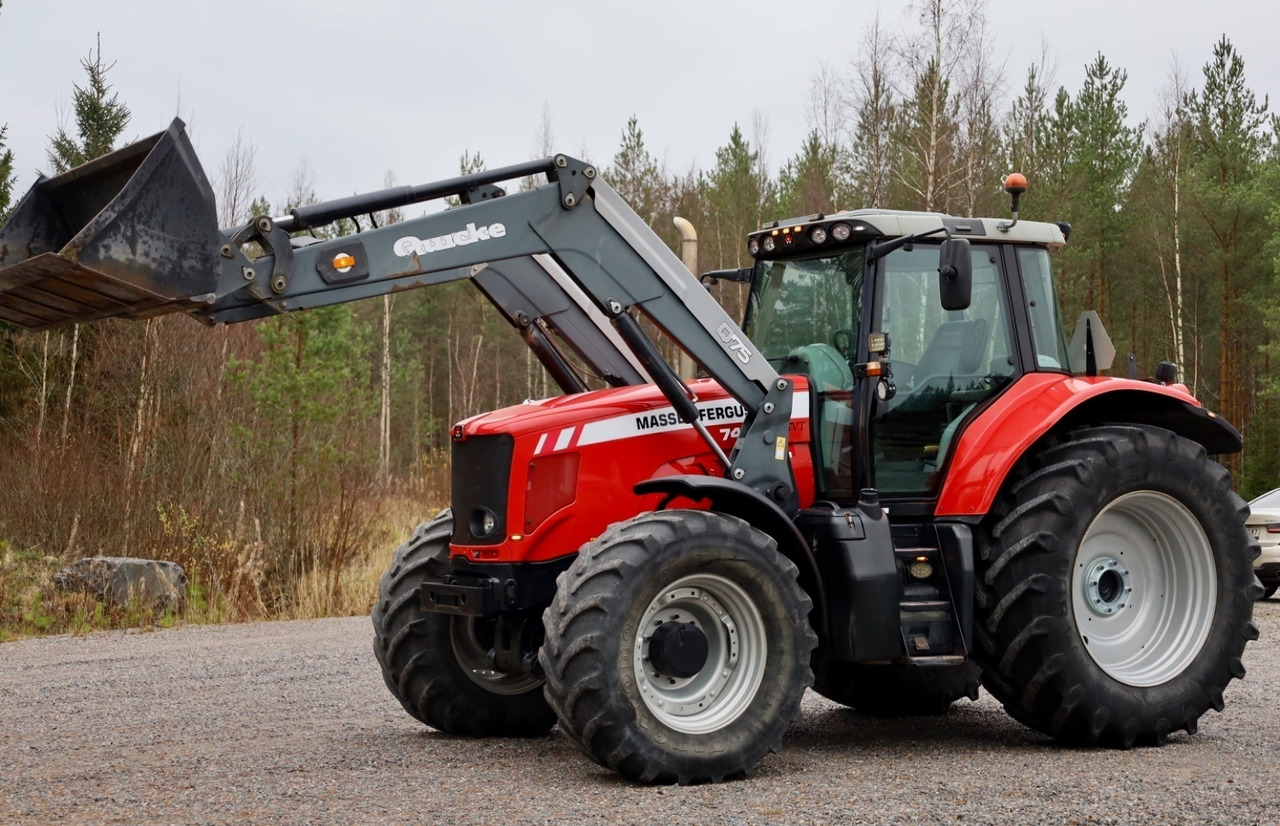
897,355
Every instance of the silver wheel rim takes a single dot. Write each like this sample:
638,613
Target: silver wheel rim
736,652
1144,588
473,658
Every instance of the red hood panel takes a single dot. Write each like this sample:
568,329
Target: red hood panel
609,412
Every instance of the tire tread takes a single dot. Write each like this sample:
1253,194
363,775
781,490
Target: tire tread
1022,564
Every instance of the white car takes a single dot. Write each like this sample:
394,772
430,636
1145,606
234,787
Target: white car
1264,525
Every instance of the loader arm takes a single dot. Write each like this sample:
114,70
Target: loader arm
132,234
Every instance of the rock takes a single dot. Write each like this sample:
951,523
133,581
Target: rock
119,581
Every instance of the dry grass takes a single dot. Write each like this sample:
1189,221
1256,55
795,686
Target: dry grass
233,577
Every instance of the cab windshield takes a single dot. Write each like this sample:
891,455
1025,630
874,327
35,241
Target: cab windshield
804,301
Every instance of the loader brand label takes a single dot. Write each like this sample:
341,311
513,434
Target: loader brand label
412,245
733,343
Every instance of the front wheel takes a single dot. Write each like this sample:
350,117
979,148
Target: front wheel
677,647
1115,587
437,665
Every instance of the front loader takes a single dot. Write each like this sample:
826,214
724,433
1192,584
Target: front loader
898,478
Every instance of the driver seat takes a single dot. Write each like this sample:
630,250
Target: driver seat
957,347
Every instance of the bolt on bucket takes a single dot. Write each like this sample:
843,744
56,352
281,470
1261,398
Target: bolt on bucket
133,233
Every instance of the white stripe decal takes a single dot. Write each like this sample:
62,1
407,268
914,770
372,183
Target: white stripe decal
723,412
542,440
565,437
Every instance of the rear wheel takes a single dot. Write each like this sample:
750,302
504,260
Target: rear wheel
678,647
1268,590
896,690
437,665
1115,587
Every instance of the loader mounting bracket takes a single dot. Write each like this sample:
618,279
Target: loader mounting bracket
574,178
275,243
482,193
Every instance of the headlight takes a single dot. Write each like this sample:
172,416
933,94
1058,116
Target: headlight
818,235
483,523
840,232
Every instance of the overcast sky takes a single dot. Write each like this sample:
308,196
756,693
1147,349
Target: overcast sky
354,89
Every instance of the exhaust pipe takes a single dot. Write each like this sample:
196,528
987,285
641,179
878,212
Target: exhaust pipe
133,233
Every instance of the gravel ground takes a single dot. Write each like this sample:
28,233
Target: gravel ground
290,723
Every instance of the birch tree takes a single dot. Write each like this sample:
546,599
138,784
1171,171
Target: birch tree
382,219
928,130
1170,143
237,181
875,112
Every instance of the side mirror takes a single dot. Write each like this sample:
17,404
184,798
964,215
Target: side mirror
955,274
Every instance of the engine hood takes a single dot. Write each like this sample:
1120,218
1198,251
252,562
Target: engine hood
581,408
534,416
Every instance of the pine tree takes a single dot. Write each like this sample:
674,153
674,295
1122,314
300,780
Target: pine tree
1059,146
634,174
1102,160
738,196
309,410
811,181
1232,135
6,176
100,118
1026,127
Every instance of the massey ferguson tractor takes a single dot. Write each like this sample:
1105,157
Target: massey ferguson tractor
898,479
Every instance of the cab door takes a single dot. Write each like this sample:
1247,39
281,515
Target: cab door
942,365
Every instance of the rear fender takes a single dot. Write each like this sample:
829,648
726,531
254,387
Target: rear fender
1044,403
735,499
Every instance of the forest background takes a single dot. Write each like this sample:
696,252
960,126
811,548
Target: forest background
279,461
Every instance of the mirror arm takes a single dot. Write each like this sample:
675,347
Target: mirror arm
741,275
880,250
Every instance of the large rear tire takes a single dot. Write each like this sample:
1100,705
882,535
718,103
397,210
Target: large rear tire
677,647
437,665
1115,587
896,690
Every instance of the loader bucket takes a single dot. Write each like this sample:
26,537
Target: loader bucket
133,233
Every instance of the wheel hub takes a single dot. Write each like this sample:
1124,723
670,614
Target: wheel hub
679,649
700,655
1107,586
1144,588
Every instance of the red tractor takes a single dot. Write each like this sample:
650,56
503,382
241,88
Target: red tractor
898,480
